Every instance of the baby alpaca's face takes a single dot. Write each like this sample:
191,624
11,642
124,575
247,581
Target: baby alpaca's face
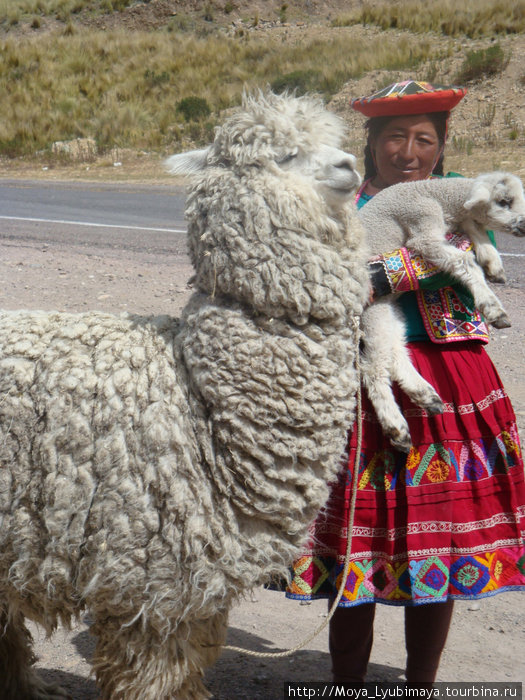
506,206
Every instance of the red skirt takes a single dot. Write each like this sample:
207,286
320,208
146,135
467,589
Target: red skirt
446,520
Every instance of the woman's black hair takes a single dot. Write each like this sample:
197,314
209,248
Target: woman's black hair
375,125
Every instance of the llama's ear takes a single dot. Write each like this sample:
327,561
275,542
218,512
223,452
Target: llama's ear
187,163
480,195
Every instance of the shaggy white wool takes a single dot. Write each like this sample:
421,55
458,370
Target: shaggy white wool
154,469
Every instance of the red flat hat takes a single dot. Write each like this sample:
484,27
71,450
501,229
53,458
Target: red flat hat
409,97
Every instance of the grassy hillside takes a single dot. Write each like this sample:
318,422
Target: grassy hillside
156,75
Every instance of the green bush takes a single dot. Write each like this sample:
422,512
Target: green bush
208,12
482,63
193,108
300,81
153,79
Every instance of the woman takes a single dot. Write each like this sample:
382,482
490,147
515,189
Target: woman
447,520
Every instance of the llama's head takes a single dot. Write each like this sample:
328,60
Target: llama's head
497,201
280,133
270,222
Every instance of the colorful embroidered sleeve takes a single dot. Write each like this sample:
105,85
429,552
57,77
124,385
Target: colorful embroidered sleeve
403,271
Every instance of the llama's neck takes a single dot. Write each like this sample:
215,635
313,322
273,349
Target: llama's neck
276,402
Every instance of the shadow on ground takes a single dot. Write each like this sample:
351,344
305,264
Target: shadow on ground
79,688
238,676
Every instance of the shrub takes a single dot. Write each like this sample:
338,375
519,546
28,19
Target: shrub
486,114
301,81
193,108
208,12
482,63
156,79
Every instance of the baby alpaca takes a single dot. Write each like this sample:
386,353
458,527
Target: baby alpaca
418,215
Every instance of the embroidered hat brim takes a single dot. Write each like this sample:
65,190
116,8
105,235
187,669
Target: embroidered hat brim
409,97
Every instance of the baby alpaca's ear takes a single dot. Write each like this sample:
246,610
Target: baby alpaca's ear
480,194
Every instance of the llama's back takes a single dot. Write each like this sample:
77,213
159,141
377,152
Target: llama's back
91,426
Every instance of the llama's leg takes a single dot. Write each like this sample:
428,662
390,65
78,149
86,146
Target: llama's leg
141,663
18,680
205,645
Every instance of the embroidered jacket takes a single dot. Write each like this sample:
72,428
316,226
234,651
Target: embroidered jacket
435,306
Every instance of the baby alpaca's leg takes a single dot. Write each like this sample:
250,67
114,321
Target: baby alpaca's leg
403,371
385,359
421,392
379,331
487,256
489,259
463,266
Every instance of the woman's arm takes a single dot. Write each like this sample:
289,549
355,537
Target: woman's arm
402,270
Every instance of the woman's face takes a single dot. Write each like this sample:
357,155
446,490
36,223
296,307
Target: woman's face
406,149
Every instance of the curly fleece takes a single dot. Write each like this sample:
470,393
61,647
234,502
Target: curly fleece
151,469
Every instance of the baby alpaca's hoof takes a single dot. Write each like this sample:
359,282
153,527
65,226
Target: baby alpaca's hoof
435,407
501,322
497,279
401,441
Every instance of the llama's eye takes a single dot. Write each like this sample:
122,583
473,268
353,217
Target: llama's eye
287,158
507,203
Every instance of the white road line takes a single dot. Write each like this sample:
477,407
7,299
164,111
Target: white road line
139,228
91,224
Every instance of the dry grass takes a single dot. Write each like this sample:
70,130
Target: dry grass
122,88
471,18
14,11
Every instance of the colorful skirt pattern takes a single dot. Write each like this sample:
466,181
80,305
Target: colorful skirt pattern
446,520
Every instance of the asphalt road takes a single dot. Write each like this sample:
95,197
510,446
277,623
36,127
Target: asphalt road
136,235
137,218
